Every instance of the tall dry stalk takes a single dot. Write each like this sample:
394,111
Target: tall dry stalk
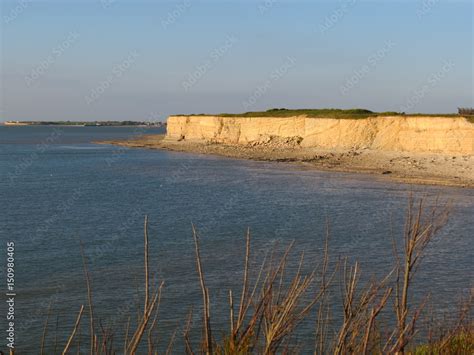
361,306
45,329
74,331
268,312
285,307
149,306
421,226
207,345
102,343
93,344
323,308
147,282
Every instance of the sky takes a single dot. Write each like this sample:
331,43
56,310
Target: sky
144,60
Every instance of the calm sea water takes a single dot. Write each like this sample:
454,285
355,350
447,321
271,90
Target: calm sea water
57,188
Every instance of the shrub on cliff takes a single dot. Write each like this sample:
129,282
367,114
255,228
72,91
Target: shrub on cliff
464,111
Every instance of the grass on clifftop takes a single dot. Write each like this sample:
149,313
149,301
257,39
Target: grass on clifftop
321,113
330,113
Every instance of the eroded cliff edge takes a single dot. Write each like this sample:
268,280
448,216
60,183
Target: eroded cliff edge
411,134
412,149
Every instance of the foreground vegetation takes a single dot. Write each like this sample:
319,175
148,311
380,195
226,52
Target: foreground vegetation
264,315
322,113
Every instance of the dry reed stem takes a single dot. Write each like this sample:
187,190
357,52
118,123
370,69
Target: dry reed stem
231,316
56,335
244,334
127,328
275,306
76,326
245,281
89,301
360,310
43,337
187,328
169,348
146,266
265,292
460,328
136,338
373,314
323,321
149,307
151,344
420,229
205,296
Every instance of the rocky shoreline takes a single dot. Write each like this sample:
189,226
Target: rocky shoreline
419,168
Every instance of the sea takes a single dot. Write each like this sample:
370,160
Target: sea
67,201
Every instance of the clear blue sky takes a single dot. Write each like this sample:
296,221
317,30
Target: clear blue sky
139,60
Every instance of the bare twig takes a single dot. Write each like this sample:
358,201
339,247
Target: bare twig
76,326
89,301
205,296
43,337
146,267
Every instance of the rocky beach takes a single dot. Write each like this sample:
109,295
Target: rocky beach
411,167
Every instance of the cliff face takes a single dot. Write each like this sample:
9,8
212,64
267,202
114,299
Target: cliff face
449,135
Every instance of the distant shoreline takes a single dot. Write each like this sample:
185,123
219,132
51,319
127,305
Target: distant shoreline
83,124
78,126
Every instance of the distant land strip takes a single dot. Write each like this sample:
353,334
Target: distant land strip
85,123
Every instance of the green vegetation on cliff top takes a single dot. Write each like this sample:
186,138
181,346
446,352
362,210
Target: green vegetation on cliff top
322,113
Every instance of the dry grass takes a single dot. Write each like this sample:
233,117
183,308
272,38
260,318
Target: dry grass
264,318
